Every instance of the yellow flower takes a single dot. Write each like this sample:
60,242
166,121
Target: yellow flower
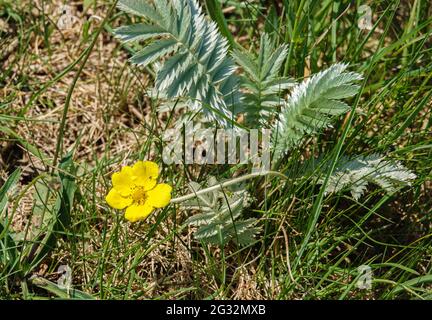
135,188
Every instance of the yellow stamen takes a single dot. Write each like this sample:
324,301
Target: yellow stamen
139,195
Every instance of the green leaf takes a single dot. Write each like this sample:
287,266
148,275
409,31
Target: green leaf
215,11
60,292
8,248
220,220
312,106
154,52
26,145
8,251
138,32
355,174
198,68
140,8
262,81
341,92
412,283
58,214
7,187
246,61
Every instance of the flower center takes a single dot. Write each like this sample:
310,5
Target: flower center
139,195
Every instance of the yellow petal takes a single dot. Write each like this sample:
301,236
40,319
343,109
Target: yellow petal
160,196
138,212
145,174
115,200
123,181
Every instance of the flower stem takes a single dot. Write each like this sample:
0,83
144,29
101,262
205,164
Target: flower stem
226,184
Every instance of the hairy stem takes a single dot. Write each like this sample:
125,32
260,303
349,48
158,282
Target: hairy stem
226,184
